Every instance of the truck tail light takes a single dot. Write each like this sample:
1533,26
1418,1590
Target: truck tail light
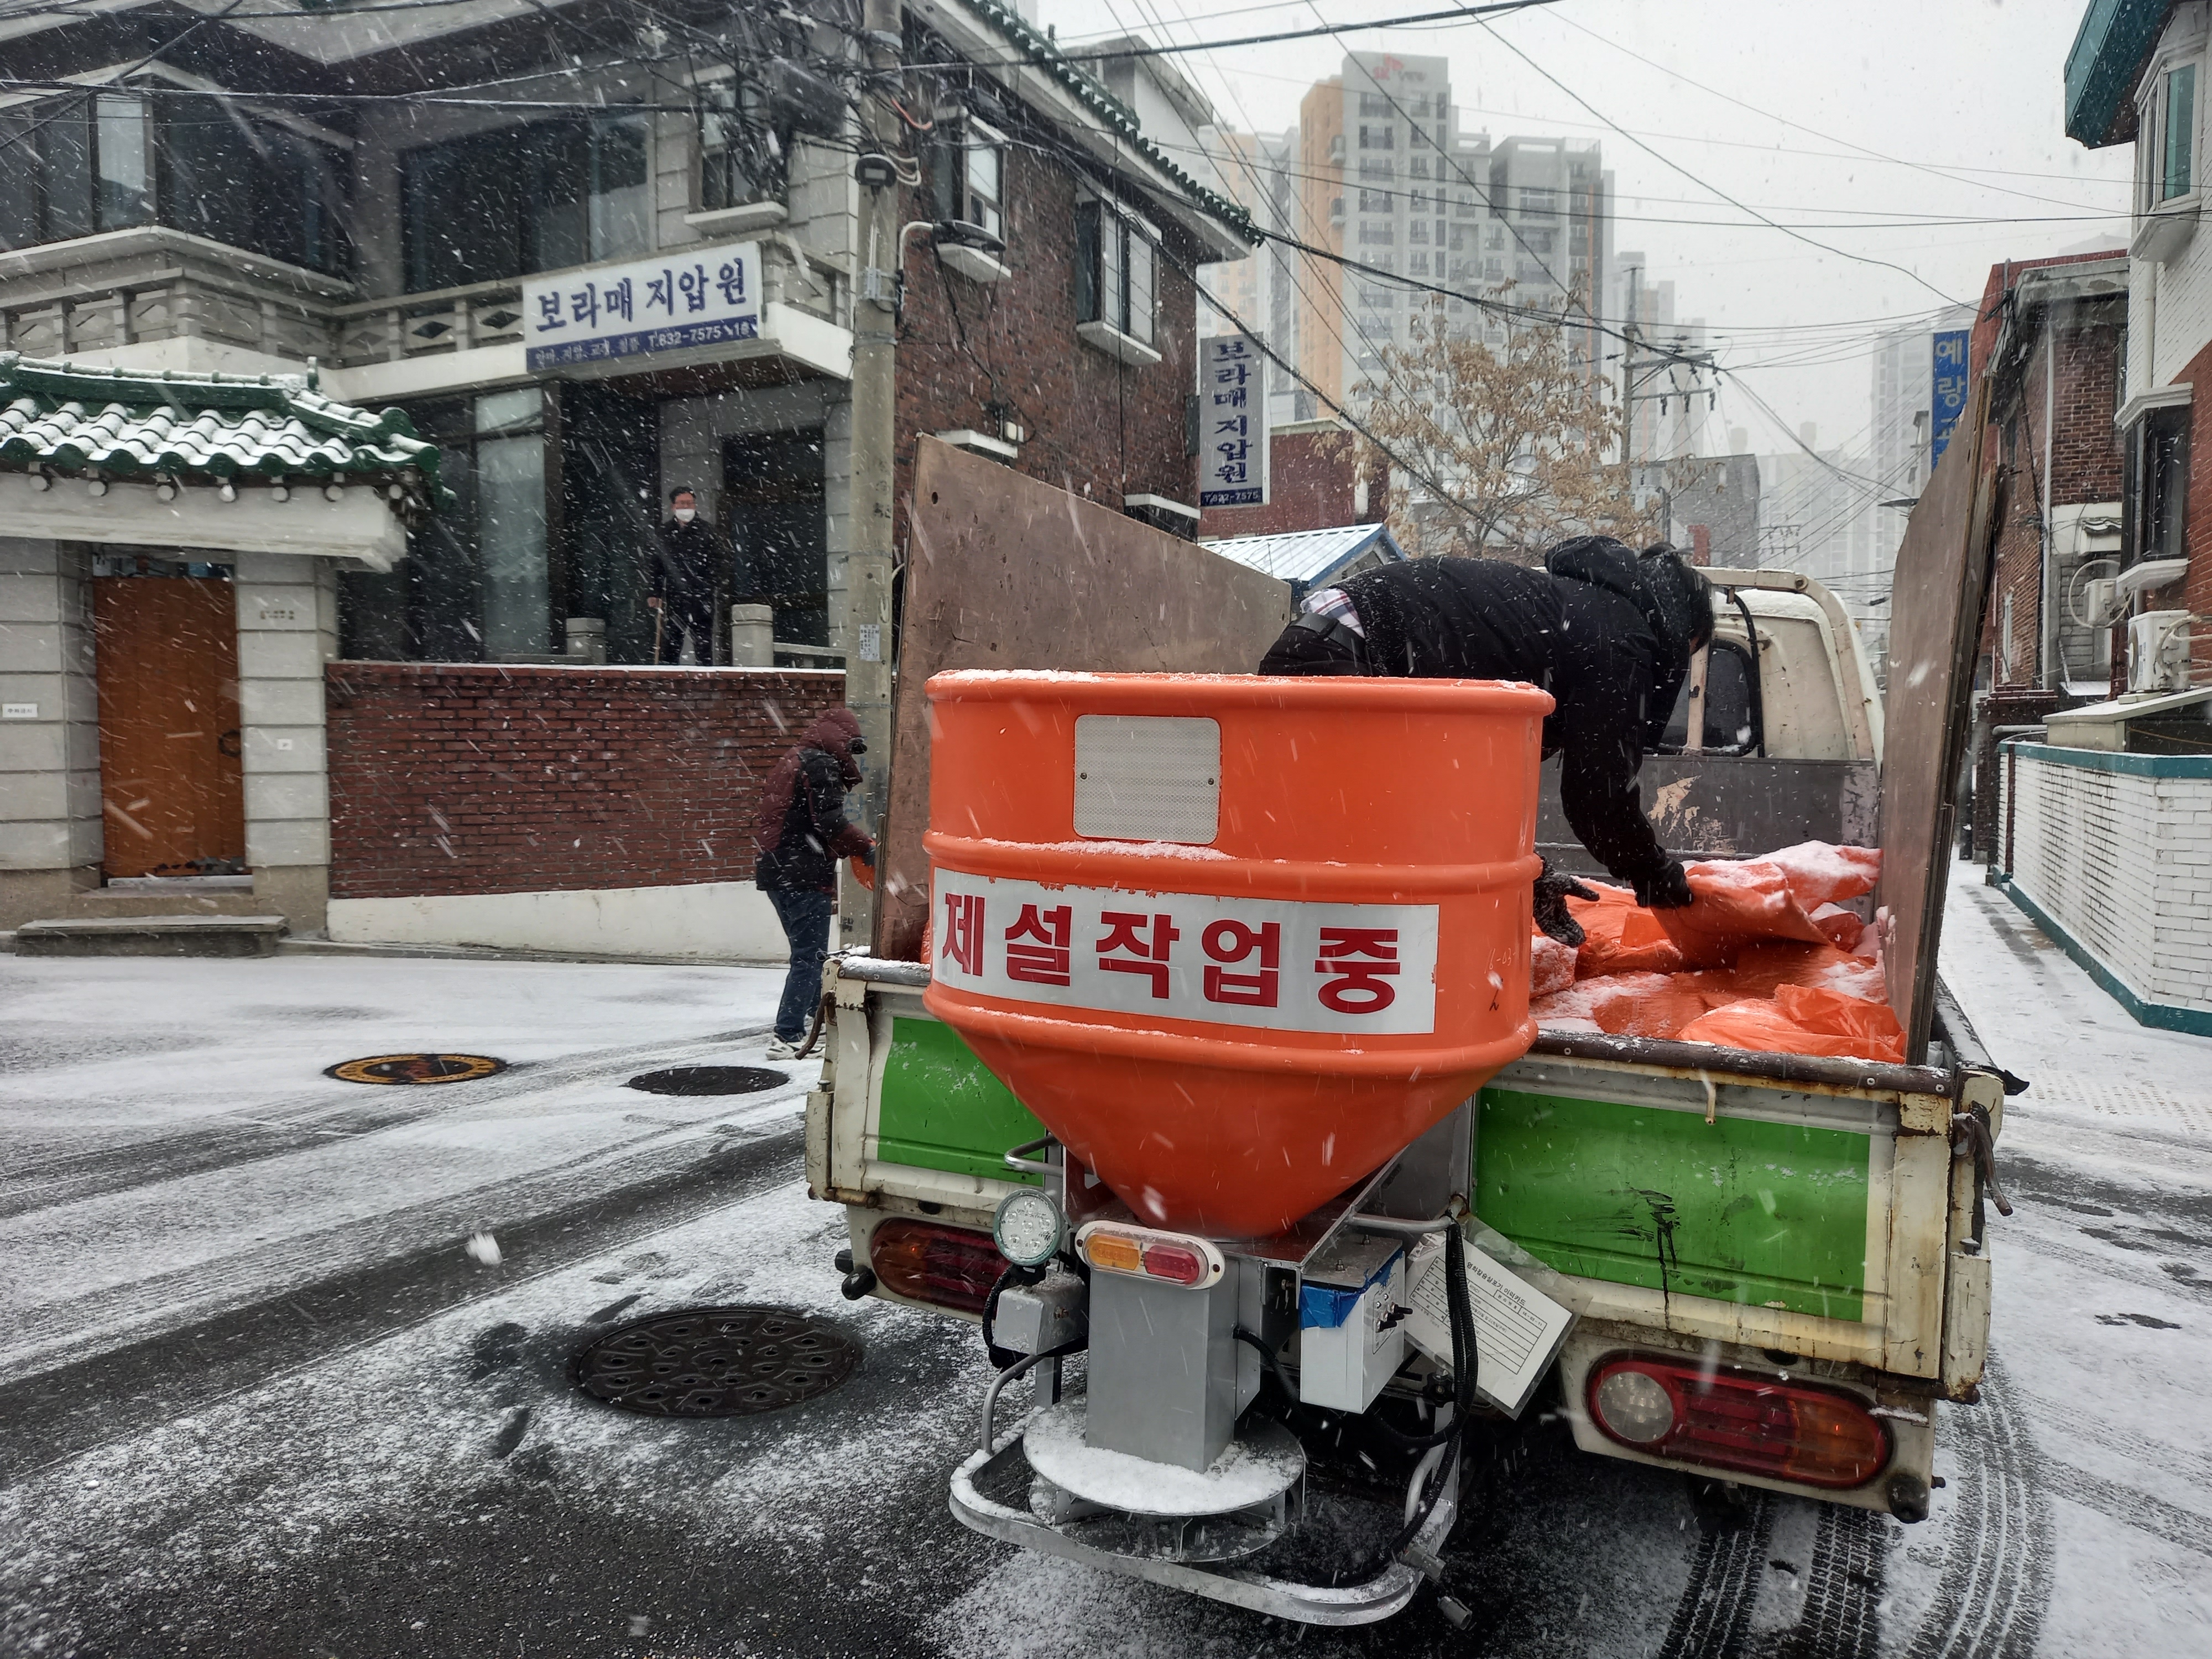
926,1261
1726,1419
1175,1258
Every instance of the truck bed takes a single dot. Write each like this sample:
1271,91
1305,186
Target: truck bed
1735,1206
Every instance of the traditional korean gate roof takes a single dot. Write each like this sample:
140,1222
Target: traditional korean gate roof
76,420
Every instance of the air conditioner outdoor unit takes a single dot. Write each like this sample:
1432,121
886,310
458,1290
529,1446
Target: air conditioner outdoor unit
2158,651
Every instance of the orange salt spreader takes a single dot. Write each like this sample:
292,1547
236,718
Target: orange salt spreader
1236,941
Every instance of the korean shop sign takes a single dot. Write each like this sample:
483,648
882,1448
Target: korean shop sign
1232,422
678,300
1280,964
1947,394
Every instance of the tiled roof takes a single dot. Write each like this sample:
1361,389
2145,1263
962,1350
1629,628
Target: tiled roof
1111,112
75,418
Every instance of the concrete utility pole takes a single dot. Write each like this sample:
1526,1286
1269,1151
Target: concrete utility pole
861,579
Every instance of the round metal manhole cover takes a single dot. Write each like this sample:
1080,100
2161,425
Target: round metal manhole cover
416,1069
709,1080
716,1362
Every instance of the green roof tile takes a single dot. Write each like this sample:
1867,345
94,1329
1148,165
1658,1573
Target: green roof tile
1111,111
74,418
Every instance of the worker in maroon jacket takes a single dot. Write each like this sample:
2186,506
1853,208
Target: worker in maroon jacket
802,833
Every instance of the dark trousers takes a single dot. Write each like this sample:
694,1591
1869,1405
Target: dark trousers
805,919
692,614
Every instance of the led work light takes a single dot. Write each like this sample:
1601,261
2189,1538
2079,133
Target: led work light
1028,1228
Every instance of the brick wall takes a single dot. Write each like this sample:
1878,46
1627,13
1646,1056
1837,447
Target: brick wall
2117,850
1095,426
1313,484
2077,352
464,778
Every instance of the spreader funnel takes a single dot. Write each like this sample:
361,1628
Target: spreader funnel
1235,940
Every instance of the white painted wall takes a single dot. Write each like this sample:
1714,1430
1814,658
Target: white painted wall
2124,862
720,919
49,759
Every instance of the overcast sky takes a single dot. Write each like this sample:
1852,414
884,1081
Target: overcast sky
1963,96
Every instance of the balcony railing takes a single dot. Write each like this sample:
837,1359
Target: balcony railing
442,321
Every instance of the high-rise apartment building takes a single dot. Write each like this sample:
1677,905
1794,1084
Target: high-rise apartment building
1378,172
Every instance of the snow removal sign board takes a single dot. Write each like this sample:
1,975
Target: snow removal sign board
1280,964
697,297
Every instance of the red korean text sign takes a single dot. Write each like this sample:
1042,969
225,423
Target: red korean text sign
1276,964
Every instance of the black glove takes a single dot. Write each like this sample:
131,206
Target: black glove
1552,915
1669,890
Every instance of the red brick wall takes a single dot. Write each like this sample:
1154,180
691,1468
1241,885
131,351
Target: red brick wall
452,778
1314,485
1095,426
2084,463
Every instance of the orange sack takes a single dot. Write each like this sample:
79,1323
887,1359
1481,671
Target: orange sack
1804,1020
1621,936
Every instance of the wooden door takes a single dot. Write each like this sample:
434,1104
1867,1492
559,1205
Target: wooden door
170,788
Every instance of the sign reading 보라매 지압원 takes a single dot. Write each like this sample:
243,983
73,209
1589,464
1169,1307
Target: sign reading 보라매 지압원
1946,391
1232,413
671,302
1281,964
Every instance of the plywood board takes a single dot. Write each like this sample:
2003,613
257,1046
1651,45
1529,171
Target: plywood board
1005,572
1941,584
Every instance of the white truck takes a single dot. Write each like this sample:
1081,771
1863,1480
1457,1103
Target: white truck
1778,1264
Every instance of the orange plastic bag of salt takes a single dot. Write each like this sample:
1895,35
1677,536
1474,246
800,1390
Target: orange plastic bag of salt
1770,897
1804,1020
1620,937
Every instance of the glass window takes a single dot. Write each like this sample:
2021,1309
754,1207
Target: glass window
740,160
1115,281
2160,496
476,586
2175,174
126,182
1731,721
113,159
968,173
522,199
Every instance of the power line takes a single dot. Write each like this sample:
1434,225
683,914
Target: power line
1659,156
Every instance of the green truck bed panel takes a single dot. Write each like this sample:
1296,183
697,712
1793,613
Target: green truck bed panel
943,1109
1740,1210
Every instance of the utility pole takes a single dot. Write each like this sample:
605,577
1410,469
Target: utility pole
861,577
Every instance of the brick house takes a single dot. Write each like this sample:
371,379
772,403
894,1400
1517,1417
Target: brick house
2103,820
2048,337
354,214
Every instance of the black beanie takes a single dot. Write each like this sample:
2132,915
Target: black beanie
1681,595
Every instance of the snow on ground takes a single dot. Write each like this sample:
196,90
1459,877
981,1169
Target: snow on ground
258,1400
176,1149
2102,1322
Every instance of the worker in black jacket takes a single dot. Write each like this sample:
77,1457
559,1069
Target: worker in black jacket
801,833
1609,633
689,565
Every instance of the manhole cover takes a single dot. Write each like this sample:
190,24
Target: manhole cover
709,1080
416,1069
716,1362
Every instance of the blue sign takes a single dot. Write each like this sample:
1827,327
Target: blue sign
1946,393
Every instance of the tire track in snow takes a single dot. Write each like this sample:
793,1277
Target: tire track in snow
110,1394
1713,1618
1990,1600
1843,1590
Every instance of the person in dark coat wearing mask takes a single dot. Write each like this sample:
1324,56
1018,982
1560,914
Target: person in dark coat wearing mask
1608,632
688,566
801,834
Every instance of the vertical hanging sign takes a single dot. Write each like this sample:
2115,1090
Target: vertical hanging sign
1946,391
1232,406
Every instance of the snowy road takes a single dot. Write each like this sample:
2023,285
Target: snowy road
258,1400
